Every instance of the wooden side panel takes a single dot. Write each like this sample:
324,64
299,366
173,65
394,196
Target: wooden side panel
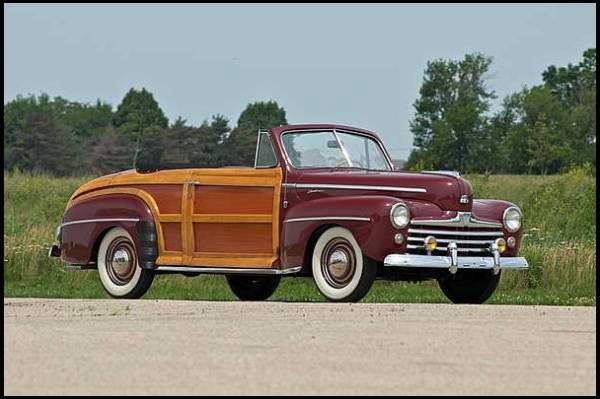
233,238
233,200
167,196
235,219
172,234
206,217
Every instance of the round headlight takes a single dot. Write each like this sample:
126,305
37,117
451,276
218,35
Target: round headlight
400,216
512,219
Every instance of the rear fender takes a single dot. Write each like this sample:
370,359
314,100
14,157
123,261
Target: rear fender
86,221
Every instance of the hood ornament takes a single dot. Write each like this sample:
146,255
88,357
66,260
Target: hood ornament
464,199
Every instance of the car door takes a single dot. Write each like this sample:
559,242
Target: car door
231,218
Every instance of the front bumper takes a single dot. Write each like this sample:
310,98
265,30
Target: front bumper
453,263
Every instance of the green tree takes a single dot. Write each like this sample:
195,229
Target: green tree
450,126
544,147
140,118
194,146
111,153
240,146
551,127
38,140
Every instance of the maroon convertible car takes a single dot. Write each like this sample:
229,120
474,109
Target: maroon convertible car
321,201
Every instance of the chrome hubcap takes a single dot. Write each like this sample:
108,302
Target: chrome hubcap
338,262
120,261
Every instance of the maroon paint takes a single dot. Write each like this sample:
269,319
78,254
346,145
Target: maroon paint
375,237
440,201
78,240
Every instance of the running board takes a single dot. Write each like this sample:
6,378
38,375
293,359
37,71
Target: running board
227,270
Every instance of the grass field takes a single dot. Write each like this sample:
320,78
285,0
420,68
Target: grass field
560,244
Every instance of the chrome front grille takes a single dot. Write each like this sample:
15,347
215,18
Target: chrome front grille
475,241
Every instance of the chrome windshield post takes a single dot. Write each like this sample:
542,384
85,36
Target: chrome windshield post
342,148
260,131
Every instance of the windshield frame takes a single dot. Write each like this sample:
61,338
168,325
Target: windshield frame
335,132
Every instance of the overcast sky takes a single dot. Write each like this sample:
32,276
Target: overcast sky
359,65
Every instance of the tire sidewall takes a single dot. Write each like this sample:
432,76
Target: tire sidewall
336,294
110,287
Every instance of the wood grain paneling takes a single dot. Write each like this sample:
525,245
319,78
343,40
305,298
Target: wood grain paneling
167,196
232,239
205,217
233,200
172,233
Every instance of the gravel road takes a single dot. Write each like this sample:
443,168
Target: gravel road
187,347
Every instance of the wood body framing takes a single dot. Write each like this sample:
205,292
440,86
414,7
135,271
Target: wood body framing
225,217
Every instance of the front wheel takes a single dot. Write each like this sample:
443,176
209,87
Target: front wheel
253,288
118,267
470,286
340,270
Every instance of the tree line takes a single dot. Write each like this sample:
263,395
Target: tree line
543,129
65,137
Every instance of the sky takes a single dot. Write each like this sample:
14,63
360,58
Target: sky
358,65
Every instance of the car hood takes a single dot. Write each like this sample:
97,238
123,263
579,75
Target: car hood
443,190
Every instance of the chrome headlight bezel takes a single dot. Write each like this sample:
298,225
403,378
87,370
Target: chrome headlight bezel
400,207
512,210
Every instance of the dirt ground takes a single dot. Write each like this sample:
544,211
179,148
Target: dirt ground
201,348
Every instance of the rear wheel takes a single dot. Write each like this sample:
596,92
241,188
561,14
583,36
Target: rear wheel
470,286
253,288
118,267
340,270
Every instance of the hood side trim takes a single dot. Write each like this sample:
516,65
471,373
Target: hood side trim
354,187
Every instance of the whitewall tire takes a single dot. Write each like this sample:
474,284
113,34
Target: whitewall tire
340,270
118,266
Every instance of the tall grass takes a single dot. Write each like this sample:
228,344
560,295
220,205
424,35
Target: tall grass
559,243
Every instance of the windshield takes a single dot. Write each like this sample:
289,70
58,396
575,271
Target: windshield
322,149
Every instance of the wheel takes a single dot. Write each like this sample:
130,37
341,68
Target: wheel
340,271
253,288
470,286
118,267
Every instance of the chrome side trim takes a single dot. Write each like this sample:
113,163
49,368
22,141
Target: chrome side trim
360,219
98,220
228,270
452,173
456,233
356,187
462,219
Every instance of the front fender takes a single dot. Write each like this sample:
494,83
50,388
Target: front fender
304,222
488,209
